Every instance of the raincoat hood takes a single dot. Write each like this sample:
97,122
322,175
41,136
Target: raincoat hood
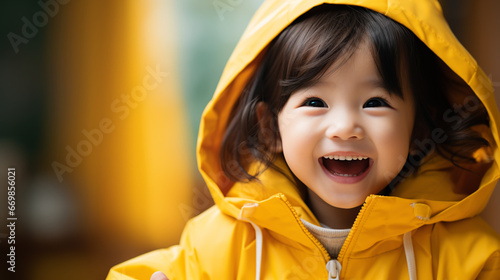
429,204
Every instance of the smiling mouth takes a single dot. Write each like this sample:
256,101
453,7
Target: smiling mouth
346,166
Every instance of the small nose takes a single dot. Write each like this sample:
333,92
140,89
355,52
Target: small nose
344,126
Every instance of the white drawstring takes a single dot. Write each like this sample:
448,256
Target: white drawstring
333,266
258,249
410,256
258,238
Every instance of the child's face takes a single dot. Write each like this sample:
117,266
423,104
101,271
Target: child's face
347,114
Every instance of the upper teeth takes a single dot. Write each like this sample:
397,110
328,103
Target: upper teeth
345,157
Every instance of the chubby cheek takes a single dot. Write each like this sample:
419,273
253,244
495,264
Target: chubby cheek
297,144
291,128
292,145
394,142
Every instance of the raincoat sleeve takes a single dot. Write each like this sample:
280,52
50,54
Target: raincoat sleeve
176,262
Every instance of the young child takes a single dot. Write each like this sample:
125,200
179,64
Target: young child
343,142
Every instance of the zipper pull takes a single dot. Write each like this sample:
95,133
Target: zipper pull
333,266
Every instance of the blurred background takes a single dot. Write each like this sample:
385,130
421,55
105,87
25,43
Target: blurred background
100,104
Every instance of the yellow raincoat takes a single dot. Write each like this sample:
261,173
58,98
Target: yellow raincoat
428,228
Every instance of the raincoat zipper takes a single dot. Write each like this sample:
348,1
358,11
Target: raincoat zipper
333,266
355,226
318,244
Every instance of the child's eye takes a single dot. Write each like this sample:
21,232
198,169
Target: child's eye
376,102
314,102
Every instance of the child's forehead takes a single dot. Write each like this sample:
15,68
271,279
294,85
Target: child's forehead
361,58
363,50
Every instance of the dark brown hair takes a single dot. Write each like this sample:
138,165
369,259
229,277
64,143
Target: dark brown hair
329,34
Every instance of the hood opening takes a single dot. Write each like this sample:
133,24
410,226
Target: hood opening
462,81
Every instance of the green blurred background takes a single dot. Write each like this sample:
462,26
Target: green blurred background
100,104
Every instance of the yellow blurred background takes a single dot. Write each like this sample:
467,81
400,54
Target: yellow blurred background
99,109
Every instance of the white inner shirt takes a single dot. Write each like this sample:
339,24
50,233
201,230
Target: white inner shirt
331,239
